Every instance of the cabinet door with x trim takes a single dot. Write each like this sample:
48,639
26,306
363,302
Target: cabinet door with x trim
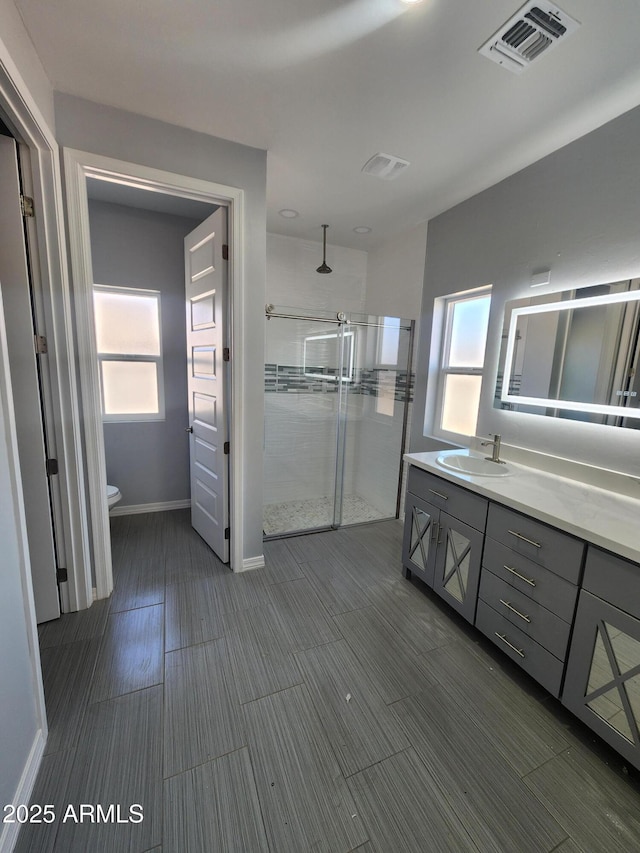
457,567
420,538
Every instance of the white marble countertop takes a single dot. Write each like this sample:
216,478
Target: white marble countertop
597,515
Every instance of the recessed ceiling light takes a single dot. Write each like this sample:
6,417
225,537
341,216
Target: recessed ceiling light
362,229
288,214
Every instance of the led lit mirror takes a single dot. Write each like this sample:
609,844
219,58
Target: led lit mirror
322,356
573,355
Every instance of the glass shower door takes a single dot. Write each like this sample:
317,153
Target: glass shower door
302,393
335,419
375,419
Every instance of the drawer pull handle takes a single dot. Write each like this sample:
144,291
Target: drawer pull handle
439,494
518,575
524,539
507,643
510,607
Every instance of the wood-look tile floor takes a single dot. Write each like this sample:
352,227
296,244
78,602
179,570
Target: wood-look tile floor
323,703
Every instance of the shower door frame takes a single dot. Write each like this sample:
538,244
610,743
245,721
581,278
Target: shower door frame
342,321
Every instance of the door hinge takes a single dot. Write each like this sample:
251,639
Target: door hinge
41,344
61,576
227,533
52,467
227,448
26,206
225,252
226,355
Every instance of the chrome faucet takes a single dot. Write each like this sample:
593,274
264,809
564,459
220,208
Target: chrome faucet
495,453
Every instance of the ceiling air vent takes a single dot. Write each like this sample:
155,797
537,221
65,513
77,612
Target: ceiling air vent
385,166
532,31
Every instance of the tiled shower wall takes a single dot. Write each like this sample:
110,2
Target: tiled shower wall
300,437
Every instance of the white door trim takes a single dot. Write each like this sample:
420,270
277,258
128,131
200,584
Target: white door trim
30,128
78,166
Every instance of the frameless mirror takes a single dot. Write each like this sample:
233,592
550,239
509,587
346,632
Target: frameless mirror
573,355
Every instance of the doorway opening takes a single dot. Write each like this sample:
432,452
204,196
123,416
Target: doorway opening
337,393
31,382
163,392
80,169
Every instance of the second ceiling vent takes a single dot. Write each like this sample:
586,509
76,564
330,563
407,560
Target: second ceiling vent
531,32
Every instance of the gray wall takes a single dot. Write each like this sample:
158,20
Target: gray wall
127,136
148,460
27,61
575,212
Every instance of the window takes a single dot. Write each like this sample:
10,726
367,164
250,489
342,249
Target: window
129,353
388,348
464,339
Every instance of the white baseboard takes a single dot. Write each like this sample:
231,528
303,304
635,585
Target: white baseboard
135,509
252,563
9,835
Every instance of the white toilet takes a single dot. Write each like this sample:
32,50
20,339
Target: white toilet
113,496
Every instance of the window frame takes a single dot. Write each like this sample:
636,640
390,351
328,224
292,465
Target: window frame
443,368
391,369
134,417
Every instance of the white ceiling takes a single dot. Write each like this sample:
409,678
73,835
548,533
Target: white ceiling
325,84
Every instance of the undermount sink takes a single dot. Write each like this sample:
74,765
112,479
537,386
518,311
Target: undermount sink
476,466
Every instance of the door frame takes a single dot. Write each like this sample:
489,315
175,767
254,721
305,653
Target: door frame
42,174
78,166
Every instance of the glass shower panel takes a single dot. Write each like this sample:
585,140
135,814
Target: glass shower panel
302,367
374,418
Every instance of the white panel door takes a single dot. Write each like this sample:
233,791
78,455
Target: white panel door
206,285
14,282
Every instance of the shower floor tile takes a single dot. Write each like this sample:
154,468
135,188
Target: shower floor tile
315,512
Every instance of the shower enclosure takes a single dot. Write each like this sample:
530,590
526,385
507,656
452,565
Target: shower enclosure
336,404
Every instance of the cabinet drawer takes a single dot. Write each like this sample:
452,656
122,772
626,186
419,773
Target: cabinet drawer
613,579
458,502
545,587
531,656
536,621
557,551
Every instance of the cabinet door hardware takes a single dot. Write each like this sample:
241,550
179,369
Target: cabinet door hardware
510,607
439,494
511,646
434,531
524,539
518,575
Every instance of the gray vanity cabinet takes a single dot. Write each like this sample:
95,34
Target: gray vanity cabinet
602,683
528,592
443,538
572,623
